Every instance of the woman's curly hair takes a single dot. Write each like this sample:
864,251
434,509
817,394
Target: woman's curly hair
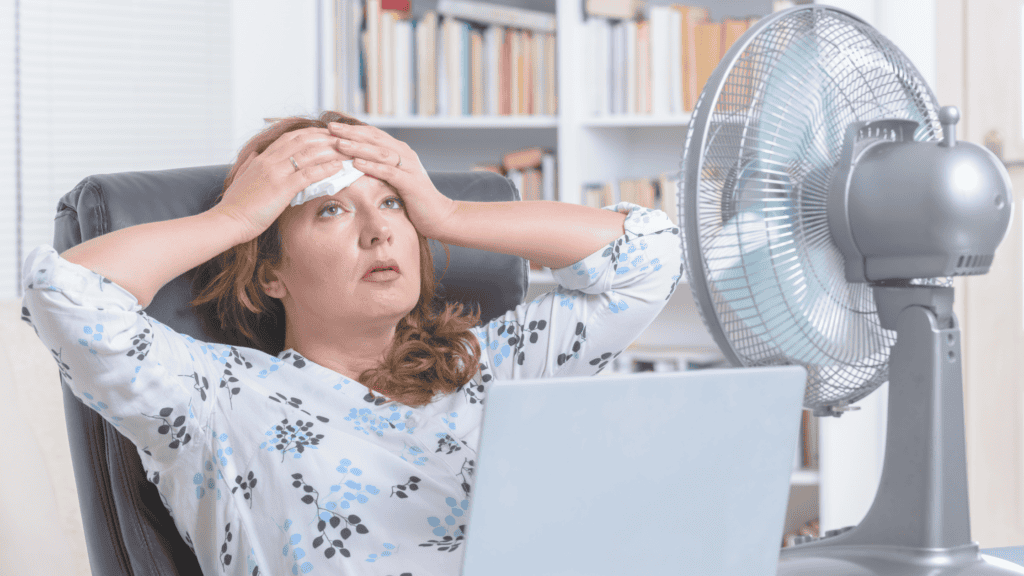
433,351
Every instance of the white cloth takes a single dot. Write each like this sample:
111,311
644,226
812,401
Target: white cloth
278,465
330,185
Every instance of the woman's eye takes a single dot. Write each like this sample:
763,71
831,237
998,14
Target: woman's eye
338,207
328,207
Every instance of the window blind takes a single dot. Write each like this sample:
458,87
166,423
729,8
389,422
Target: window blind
8,153
111,86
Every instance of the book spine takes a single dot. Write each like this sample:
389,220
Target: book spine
498,14
631,68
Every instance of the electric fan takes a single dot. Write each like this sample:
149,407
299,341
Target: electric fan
825,204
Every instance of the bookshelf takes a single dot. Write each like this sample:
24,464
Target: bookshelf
588,148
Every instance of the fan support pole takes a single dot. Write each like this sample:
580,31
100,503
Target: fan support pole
918,524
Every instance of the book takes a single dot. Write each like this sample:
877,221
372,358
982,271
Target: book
732,29
515,72
643,63
505,74
550,61
549,171
660,62
668,187
426,71
404,57
532,183
645,193
691,16
516,176
386,105
596,194
539,78
476,44
465,74
441,60
492,59
524,158
741,96
675,57
709,50
631,66
372,50
615,9
487,13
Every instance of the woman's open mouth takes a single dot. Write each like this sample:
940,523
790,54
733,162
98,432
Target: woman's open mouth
381,275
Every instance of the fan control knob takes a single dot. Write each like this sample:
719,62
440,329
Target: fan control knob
948,117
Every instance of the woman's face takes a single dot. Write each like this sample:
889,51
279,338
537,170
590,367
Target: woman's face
329,243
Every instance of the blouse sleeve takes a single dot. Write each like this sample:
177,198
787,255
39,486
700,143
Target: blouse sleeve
154,385
601,304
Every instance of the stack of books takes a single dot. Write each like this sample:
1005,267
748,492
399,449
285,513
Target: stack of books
657,65
463,58
533,172
660,193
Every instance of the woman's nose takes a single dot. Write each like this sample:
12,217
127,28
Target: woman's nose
375,227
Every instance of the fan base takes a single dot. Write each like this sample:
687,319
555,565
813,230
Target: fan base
828,560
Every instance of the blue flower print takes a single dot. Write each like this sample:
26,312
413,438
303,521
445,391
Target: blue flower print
222,453
388,548
274,361
450,423
221,357
252,566
617,306
567,298
367,421
580,270
343,382
354,494
100,407
415,451
94,335
205,479
449,542
292,544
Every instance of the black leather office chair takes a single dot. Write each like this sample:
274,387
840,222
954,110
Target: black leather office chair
127,529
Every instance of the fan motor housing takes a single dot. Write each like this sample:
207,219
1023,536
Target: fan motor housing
917,209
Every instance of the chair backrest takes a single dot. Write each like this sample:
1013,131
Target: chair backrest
128,531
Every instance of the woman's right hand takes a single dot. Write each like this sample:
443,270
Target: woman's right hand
265,184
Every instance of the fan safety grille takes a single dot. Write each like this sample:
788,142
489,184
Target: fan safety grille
764,157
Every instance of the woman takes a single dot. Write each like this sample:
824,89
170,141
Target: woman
334,428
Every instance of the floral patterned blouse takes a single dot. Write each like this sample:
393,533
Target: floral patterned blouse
277,465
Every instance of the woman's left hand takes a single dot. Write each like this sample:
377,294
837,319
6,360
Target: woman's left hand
377,154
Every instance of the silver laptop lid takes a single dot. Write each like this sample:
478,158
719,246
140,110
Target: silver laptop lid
651,473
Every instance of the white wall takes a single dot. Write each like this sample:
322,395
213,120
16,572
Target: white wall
274,63
910,24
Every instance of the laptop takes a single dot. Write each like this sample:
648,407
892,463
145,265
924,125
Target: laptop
650,473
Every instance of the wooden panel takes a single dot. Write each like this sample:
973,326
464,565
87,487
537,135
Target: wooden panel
993,343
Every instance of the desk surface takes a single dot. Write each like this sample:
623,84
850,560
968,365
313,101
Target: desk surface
1014,554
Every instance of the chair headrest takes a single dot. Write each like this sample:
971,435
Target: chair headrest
103,203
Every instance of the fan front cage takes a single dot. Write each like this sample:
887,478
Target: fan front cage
762,147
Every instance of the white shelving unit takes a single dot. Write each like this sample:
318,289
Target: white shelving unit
607,148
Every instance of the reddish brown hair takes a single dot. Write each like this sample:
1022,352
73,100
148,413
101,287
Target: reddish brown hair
433,351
